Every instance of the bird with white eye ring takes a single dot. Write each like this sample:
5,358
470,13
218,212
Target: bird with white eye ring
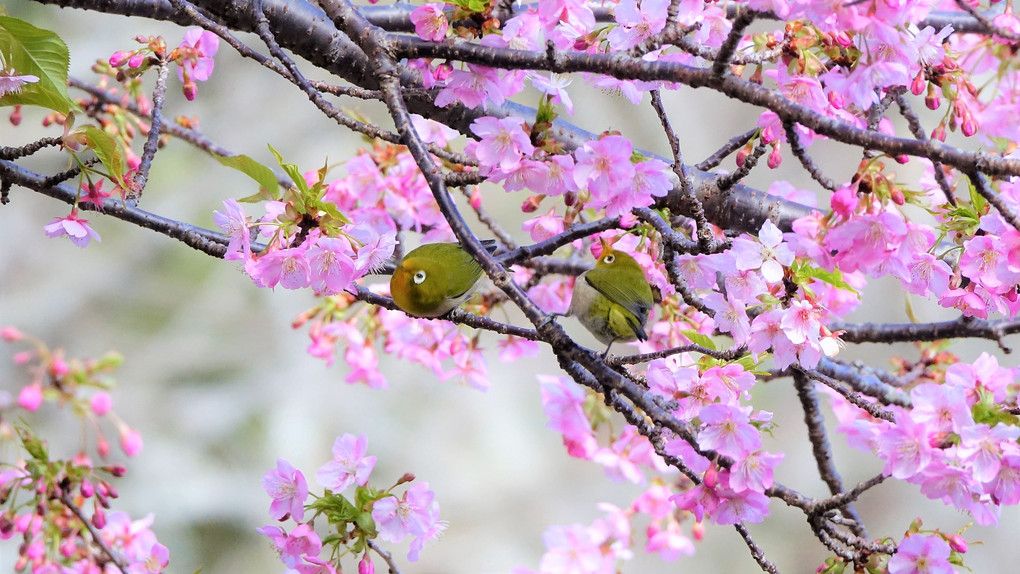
435,278
613,299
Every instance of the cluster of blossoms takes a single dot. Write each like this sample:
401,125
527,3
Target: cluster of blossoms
80,384
353,521
194,57
709,398
47,498
954,442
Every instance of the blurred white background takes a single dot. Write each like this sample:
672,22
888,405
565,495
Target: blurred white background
220,386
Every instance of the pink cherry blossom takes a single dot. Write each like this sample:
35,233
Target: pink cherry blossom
234,223
503,142
331,266
288,489
920,554
197,50
11,82
429,22
155,563
349,464
730,315
75,228
287,268
412,514
905,448
573,549
727,431
302,542
563,401
769,254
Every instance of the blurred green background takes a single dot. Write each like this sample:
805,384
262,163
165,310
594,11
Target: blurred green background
220,386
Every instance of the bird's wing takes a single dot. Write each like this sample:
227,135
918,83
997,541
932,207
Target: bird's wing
601,279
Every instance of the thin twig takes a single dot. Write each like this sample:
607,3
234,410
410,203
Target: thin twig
116,559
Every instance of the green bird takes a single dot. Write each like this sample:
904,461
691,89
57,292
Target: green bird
435,278
613,299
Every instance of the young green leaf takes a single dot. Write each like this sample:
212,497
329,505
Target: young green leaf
41,53
269,188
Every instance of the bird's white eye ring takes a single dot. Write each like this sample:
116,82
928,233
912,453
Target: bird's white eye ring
608,259
419,277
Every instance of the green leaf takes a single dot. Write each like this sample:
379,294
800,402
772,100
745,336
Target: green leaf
41,53
699,339
33,446
476,6
292,171
805,272
269,188
108,152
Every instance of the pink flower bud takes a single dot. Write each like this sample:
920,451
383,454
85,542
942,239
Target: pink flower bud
23,357
10,334
119,58
896,195
68,548
130,441
366,566
86,489
58,367
101,403
109,489
103,447
190,91
99,518
902,159
117,470
939,133
775,157
15,117
917,86
957,543
969,126
30,397
844,202
836,100
698,531
136,60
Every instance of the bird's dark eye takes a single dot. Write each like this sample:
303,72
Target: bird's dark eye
419,277
608,259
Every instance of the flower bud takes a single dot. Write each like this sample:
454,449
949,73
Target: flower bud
957,543
136,60
366,566
917,86
86,489
190,91
775,156
103,447
15,117
58,367
119,58
30,397
10,334
99,518
932,100
101,403
969,126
